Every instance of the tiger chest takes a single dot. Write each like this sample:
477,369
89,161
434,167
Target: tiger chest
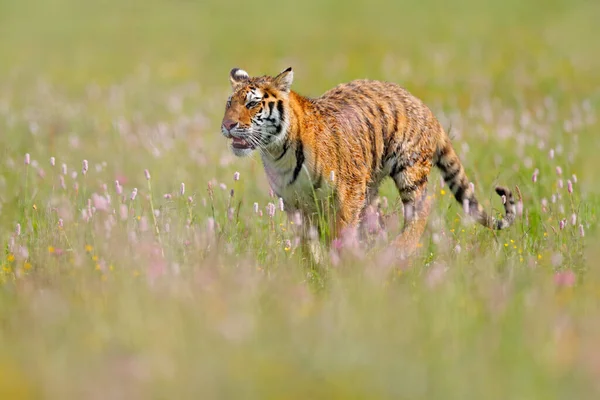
302,191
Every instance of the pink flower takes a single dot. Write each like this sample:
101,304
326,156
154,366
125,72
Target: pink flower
27,159
52,161
100,202
570,186
564,278
236,176
118,188
147,174
84,169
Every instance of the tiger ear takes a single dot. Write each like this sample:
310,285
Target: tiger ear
237,77
284,80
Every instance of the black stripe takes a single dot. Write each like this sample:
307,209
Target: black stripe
459,195
299,161
415,186
286,144
449,174
443,153
271,105
281,117
280,109
397,168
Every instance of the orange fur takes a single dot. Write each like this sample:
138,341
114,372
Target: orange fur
361,132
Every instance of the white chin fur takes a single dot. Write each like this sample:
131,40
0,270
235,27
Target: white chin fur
241,152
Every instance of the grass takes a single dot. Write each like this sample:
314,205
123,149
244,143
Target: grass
192,294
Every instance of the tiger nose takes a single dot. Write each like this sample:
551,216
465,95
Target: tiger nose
229,124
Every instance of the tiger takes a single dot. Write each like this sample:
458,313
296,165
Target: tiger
343,144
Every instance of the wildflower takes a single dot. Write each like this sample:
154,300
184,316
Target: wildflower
88,248
551,154
100,202
52,161
564,278
535,175
573,219
271,209
520,208
581,231
574,177
442,192
190,199
84,169
147,174
281,205
27,265
10,257
60,223
123,211
558,170
287,245
167,196
560,184
134,193
569,186
182,189
223,186
18,230
64,169
256,208
62,182
51,250
562,224
118,188
236,176
297,219
210,225
27,159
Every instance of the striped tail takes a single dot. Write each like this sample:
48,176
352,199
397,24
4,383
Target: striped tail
455,177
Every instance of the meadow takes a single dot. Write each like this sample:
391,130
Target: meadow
140,259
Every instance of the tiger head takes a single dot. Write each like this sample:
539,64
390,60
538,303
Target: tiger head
255,113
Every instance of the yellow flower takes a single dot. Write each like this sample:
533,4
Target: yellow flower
136,273
539,256
97,268
50,249
505,244
35,207
10,257
94,258
88,248
442,192
27,265
111,267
